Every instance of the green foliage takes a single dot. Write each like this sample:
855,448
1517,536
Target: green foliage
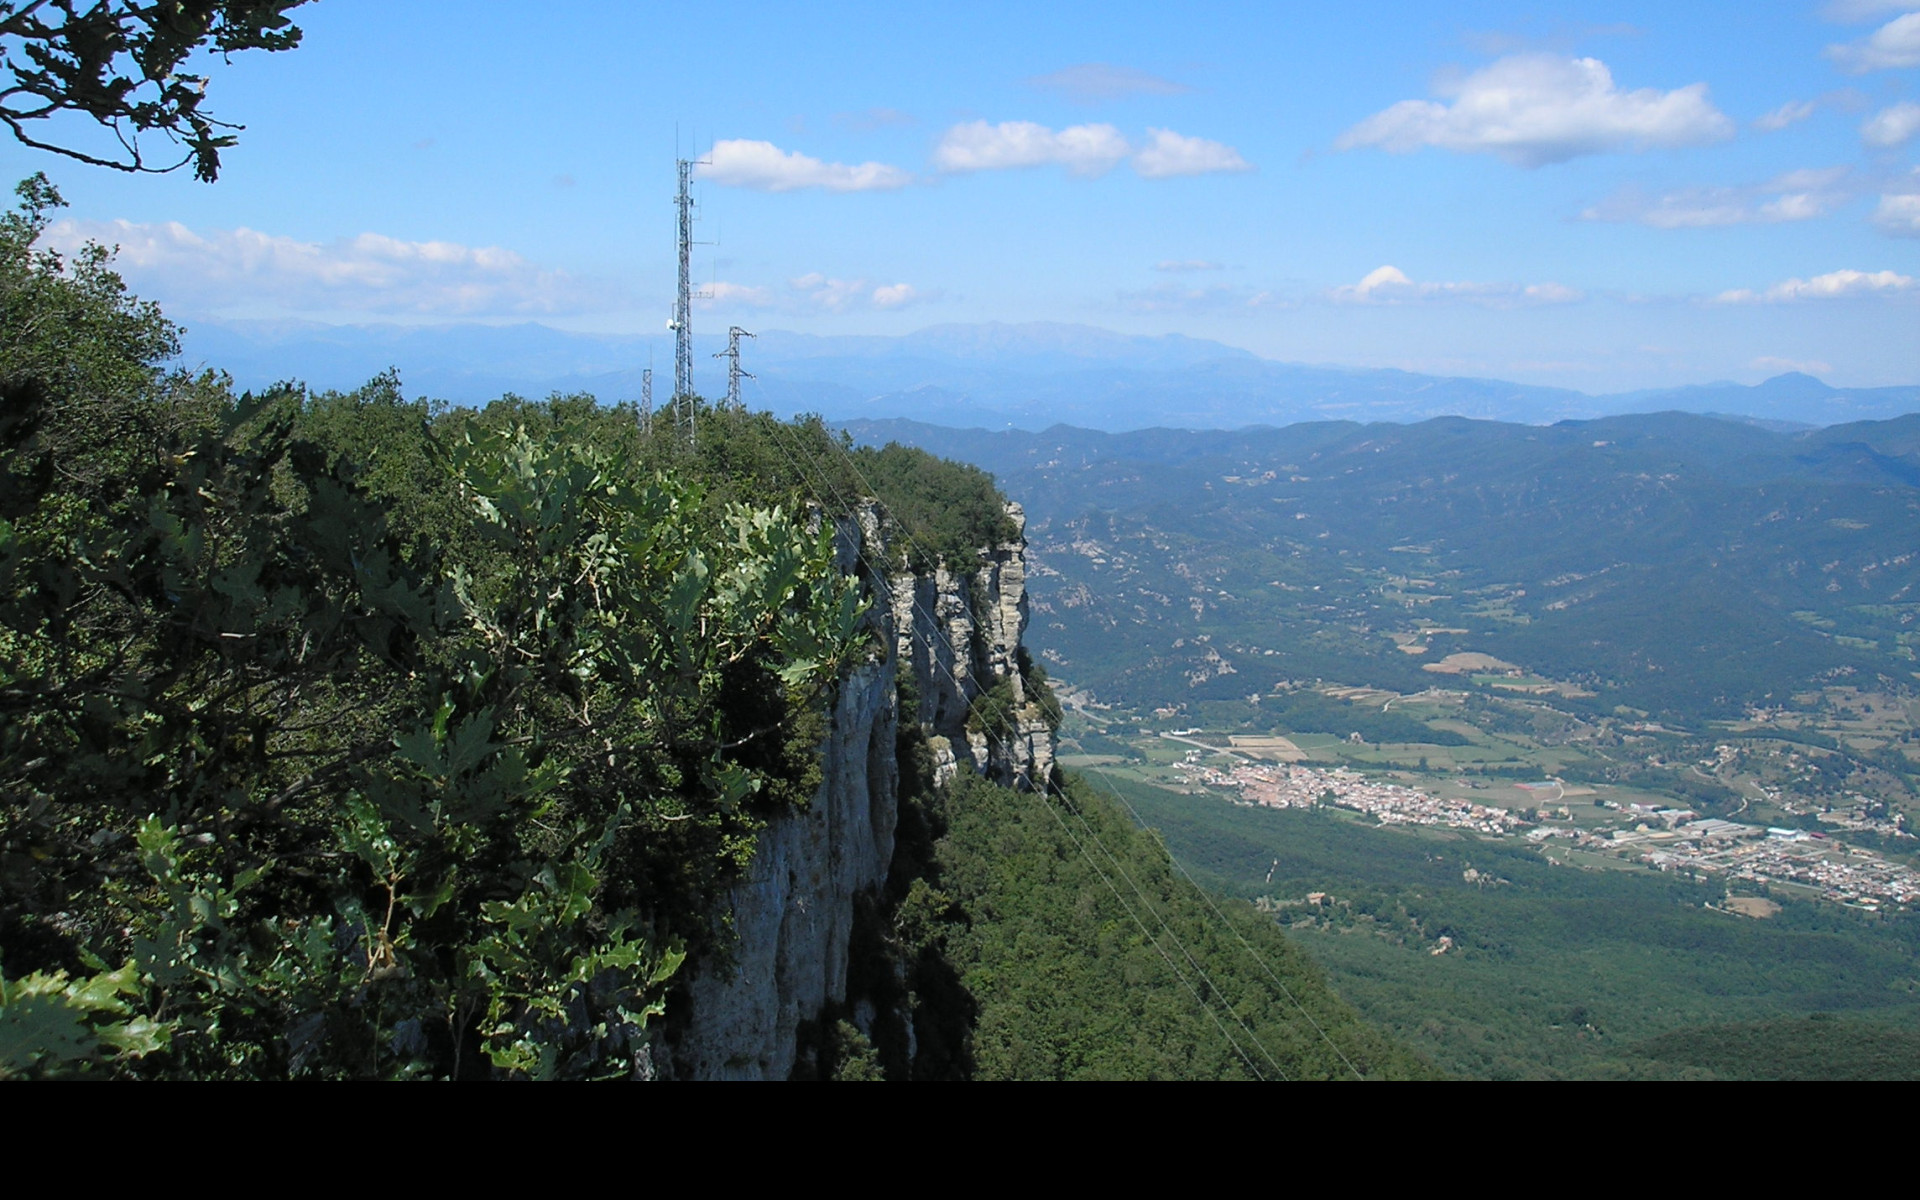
50,1024
1039,692
858,1061
1040,695
994,712
70,323
119,62
839,1052
350,737
1068,985
1819,1047
952,511
432,767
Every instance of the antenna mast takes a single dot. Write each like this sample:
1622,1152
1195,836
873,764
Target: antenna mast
646,399
734,373
682,323
683,299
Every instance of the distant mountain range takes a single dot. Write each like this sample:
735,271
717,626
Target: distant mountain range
1027,376
1672,562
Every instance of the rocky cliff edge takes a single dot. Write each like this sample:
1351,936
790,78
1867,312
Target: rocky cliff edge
953,637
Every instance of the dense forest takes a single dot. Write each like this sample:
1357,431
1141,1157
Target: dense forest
1083,943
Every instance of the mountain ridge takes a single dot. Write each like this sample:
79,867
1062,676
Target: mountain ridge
1024,376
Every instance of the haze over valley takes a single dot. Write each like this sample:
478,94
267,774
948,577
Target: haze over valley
994,376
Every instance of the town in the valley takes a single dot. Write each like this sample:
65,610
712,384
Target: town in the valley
1749,857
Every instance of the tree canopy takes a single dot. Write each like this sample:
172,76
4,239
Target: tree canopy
119,62
322,762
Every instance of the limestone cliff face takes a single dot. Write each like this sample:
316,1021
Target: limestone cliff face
954,637
959,636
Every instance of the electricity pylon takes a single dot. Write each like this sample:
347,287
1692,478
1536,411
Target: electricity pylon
734,373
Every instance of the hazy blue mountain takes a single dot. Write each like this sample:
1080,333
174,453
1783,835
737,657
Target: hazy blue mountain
1026,376
467,364
1793,397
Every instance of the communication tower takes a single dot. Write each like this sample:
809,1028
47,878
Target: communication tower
682,323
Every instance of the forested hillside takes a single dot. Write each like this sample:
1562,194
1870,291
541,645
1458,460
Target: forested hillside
1684,565
1086,953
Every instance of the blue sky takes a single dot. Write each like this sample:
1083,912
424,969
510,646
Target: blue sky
1595,196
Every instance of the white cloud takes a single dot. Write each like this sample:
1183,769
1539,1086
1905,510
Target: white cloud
1381,281
1390,285
1088,150
764,167
228,269
1187,264
818,291
1831,286
1091,82
1169,154
1687,208
1085,150
1785,115
1899,214
1551,293
1794,196
814,293
1535,109
1895,44
1846,99
1215,298
1849,11
1892,126
894,295
721,294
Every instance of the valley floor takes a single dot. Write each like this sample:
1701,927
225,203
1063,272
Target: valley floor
1496,962
1514,924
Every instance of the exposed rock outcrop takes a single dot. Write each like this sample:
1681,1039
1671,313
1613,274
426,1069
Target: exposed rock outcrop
953,637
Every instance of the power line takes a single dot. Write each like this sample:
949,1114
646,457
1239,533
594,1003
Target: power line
1245,945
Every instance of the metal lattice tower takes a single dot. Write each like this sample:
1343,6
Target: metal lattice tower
683,299
682,323
734,373
646,398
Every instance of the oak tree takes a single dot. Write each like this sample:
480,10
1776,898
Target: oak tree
121,63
